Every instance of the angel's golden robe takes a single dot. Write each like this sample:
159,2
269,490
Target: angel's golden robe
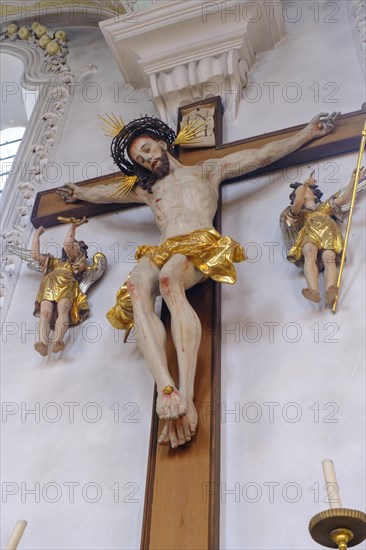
60,282
209,252
318,227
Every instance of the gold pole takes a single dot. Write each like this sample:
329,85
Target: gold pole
359,161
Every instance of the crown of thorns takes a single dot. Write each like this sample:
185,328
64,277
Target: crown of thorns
146,125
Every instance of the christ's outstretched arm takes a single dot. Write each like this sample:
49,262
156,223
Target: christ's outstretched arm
243,162
101,194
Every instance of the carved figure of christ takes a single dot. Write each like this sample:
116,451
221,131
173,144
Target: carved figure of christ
184,199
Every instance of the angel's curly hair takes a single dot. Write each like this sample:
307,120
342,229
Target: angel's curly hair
83,249
315,189
144,126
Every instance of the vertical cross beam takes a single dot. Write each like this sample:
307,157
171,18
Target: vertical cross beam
182,495
182,498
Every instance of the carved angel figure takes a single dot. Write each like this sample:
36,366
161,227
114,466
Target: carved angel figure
61,300
312,234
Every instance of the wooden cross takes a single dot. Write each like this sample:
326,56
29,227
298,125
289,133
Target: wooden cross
183,485
345,139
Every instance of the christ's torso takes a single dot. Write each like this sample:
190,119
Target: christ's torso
183,201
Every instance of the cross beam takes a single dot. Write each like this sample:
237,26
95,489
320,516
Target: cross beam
345,139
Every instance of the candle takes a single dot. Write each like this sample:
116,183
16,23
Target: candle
16,535
331,484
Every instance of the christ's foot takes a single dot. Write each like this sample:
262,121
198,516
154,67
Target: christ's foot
311,294
170,404
181,430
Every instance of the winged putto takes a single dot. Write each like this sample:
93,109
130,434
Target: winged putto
61,300
312,235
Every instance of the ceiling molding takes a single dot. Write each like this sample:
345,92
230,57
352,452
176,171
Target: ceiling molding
61,14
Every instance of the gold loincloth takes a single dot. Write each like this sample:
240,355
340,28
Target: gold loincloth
60,282
320,229
209,252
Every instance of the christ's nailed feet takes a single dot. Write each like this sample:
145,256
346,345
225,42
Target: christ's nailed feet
181,430
170,404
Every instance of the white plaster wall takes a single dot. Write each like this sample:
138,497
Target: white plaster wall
311,367
293,376
315,68
94,368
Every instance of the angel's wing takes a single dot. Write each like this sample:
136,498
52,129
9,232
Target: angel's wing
290,226
93,272
360,186
25,255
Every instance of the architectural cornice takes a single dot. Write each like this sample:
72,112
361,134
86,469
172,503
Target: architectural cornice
183,50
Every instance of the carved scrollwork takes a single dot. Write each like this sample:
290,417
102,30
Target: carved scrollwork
46,69
359,13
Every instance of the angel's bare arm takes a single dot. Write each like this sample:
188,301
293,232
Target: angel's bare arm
242,162
300,196
35,251
70,239
347,195
100,194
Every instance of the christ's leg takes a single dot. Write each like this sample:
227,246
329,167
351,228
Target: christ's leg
62,324
311,272
143,287
46,308
177,275
330,276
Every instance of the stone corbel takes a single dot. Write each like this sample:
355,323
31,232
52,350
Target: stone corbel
224,75
187,51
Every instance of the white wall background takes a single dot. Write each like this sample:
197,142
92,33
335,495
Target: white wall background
321,372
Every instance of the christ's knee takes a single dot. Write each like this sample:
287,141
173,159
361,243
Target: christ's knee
170,288
142,289
133,289
165,286
138,290
171,280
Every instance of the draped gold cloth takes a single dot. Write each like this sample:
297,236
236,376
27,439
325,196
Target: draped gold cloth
60,282
318,228
209,252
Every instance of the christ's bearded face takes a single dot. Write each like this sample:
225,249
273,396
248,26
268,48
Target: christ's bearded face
151,155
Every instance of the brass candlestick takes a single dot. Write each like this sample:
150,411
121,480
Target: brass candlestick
338,528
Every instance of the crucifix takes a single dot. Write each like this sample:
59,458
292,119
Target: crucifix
182,495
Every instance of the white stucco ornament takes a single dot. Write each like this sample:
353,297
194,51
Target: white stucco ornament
52,42
359,13
207,49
